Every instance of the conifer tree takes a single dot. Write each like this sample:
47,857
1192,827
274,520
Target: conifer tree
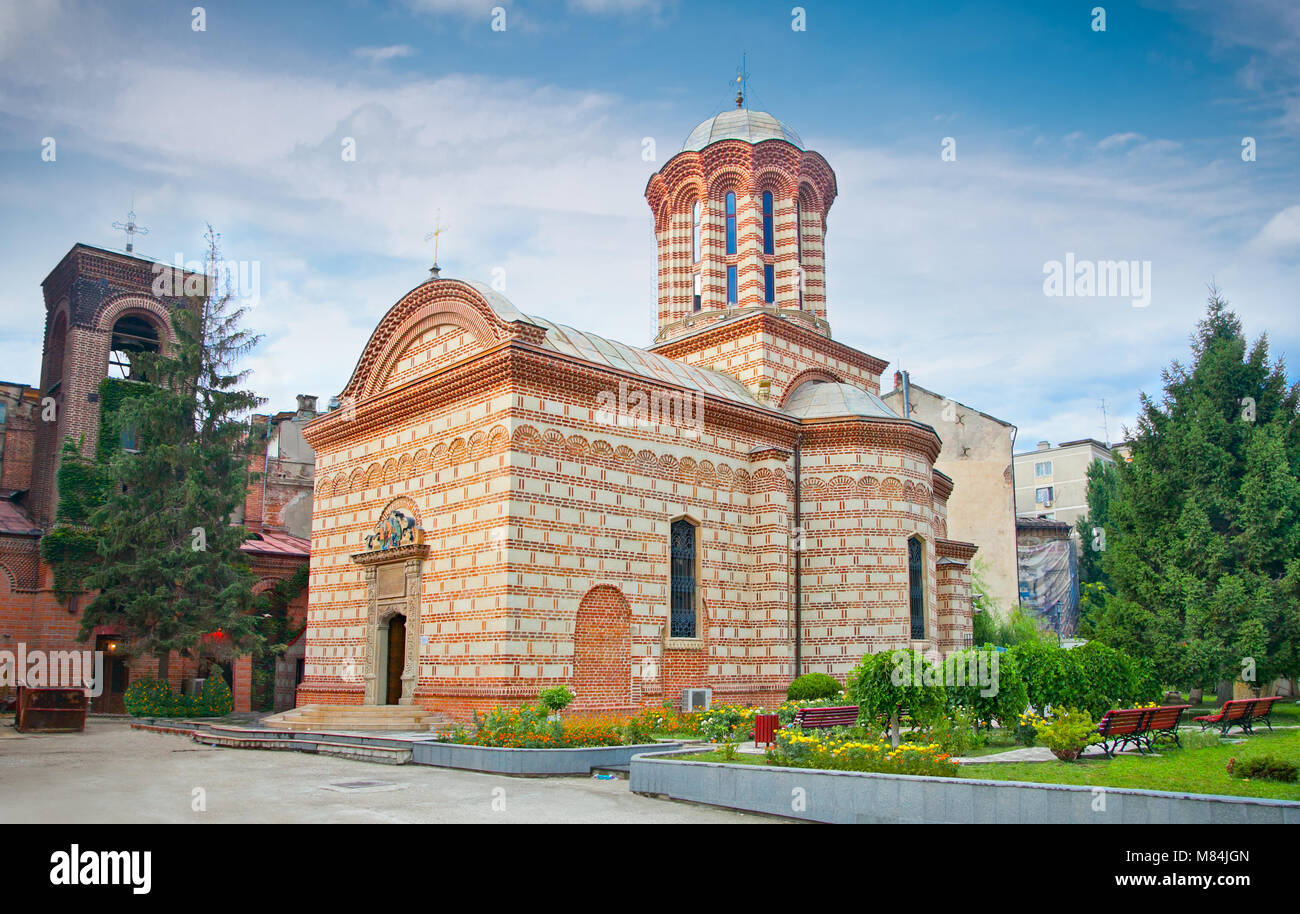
1203,542
170,570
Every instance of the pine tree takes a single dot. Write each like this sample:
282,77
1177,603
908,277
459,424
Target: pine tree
170,570
1203,543
1103,478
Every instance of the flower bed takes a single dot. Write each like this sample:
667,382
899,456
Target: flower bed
530,728
844,751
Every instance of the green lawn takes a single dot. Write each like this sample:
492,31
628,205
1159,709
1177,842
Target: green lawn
1190,770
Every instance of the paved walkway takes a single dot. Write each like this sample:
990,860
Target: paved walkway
112,773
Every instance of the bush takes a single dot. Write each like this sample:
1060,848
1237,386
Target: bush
728,723
152,698
1093,677
555,699
1008,698
526,727
1068,733
956,734
1266,767
213,700
812,686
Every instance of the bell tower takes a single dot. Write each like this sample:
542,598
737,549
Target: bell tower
740,217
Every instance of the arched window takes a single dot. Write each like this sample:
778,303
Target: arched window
769,242
798,248
699,289
695,232
682,617
916,587
769,283
731,223
732,292
132,335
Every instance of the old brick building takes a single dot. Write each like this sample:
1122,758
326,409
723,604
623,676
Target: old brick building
100,308
504,503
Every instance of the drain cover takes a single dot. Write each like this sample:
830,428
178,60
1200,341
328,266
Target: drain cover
363,785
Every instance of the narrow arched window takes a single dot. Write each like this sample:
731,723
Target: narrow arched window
682,621
916,587
798,232
769,283
731,223
695,232
732,291
769,242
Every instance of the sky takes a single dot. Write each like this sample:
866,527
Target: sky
527,144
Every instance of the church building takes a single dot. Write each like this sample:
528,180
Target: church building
504,503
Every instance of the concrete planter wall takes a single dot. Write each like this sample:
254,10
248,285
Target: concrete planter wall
525,761
860,797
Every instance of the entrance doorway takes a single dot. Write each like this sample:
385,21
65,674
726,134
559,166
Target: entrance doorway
110,700
396,659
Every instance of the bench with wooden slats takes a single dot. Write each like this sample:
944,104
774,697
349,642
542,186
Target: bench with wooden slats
820,718
1140,727
1241,712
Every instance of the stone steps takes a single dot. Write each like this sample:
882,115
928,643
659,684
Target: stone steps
385,755
356,717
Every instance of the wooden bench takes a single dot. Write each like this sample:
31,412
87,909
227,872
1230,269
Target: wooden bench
1139,727
1241,712
819,718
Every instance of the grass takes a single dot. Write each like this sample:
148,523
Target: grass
1178,770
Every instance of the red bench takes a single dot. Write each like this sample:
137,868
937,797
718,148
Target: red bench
818,718
1241,712
1140,727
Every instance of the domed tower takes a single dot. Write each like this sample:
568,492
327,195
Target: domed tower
740,214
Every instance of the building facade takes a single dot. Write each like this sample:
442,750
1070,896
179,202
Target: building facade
977,456
504,503
101,308
1052,482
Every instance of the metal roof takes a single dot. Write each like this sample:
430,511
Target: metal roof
592,348
825,399
740,124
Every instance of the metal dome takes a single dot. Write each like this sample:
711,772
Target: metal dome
740,124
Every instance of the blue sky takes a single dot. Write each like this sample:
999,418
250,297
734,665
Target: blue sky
1122,144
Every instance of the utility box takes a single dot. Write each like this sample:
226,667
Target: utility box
51,710
694,700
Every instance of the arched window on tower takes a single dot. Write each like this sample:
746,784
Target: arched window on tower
798,249
916,586
682,615
769,241
731,223
696,212
132,335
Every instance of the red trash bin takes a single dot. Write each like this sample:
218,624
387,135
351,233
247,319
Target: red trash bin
765,727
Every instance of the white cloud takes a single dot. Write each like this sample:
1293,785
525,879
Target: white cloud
1116,140
380,55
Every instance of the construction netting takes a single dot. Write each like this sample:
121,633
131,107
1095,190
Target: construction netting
1049,584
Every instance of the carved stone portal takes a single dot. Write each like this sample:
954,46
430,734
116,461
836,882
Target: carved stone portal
393,587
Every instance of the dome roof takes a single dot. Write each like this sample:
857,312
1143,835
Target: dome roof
740,124
827,400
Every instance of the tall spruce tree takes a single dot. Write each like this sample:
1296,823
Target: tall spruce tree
1203,541
170,570
1103,478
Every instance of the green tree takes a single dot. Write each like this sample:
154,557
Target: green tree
1203,538
169,568
885,683
1103,479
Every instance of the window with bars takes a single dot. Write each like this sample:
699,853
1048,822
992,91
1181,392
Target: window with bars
916,586
682,621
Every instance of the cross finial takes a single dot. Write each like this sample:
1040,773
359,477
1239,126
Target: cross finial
438,229
130,227
742,82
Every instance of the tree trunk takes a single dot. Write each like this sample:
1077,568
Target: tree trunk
1195,696
893,728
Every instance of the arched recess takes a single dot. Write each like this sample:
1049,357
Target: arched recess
602,651
809,375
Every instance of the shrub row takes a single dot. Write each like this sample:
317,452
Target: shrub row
155,698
